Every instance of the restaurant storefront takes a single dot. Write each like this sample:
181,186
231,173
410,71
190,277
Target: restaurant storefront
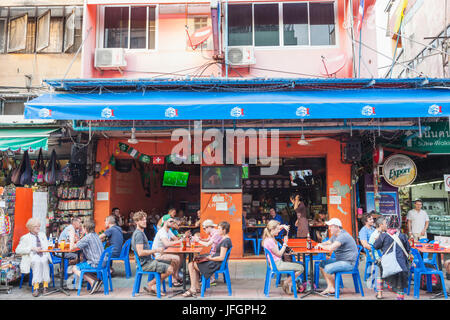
328,112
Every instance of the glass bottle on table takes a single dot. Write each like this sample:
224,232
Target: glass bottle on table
308,242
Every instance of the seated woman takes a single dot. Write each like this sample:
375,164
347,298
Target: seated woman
272,229
30,247
208,268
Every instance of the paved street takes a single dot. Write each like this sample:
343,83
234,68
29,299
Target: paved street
247,278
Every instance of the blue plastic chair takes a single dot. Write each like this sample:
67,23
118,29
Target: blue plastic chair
369,262
103,271
432,260
273,271
224,270
58,260
125,257
356,278
30,277
253,240
419,270
151,275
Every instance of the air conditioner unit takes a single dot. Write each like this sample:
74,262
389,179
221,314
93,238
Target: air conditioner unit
241,56
110,58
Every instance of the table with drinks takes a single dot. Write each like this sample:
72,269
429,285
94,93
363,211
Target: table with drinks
63,248
188,248
432,249
305,247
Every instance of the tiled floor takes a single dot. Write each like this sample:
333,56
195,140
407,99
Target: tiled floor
247,278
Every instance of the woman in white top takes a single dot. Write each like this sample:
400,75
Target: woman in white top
30,248
272,229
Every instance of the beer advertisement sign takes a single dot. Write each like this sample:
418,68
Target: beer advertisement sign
399,170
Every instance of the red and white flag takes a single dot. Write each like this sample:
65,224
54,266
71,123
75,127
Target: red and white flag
360,16
158,160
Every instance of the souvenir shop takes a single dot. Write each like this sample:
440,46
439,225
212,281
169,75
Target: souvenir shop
52,184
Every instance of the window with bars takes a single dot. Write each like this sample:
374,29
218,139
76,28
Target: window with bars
282,24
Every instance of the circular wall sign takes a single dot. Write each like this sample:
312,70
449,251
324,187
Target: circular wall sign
399,170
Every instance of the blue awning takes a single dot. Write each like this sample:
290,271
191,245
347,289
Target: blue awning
217,105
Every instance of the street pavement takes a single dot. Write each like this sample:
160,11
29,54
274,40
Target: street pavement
247,278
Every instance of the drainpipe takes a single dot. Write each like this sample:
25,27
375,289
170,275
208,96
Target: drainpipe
225,45
215,25
75,127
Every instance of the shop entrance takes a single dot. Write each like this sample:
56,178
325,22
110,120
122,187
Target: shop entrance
304,176
155,189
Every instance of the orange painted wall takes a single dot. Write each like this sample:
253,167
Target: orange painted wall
23,211
208,207
337,173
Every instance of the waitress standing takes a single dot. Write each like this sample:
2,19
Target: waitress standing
302,220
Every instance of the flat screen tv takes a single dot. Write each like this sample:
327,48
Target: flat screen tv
175,179
221,179
300,178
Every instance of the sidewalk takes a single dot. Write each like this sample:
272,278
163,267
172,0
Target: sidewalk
247,278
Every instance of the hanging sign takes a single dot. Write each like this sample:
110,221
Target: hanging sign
399,170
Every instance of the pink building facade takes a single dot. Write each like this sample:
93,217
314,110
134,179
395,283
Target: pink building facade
283,39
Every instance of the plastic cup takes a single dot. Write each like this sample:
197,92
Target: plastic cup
435,246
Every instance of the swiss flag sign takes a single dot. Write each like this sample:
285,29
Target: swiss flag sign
158,160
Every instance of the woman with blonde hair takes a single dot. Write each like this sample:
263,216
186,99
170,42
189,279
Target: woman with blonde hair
272,229
30,248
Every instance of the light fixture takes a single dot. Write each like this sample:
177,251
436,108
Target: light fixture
133,139
302,141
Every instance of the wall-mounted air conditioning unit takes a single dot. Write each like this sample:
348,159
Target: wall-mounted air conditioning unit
241,56
110,58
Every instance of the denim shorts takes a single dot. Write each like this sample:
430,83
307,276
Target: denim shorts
84,265
332,266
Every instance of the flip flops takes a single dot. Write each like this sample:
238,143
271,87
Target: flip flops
153,293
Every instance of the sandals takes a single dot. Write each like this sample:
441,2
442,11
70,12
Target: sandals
379,295
189,294
152,292
177,283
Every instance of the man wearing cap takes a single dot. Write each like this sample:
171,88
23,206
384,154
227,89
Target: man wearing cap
345,249
417,221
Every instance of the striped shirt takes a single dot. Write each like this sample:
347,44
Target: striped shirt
92,248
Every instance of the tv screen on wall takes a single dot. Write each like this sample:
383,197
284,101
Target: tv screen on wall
175,179
222,178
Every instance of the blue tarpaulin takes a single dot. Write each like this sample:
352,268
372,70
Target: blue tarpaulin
217,105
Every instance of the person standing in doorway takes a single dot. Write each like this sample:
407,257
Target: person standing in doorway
417,221
302,220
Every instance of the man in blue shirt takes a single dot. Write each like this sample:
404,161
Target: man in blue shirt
366,231
114,235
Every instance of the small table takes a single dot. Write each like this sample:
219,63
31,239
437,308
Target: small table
425,249
63,252
190,252
303,251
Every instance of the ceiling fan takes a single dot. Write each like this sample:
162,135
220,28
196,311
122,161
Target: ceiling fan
134,140
304,142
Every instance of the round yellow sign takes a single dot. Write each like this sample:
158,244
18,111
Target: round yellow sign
399,170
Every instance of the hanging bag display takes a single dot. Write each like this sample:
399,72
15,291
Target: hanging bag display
39,168
16,173
51,170
27,175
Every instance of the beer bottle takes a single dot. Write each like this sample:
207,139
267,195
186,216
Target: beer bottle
308,242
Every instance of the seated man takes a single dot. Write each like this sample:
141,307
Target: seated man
163,239
139,244
170,214
346,252
366,231
92,249
71,234
114,235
